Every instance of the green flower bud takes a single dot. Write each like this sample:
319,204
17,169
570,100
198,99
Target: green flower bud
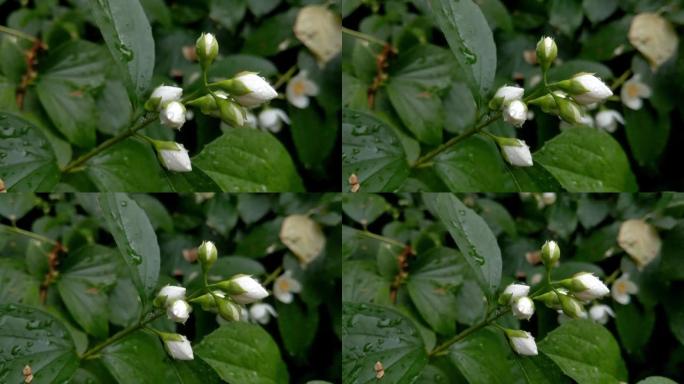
550,253
571,307
546,52
229,310
207,49
207,254
231,113
569,111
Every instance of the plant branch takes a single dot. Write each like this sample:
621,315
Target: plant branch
31,235
20,34
31,58
76,164
455,140
285,77
120,335
381,64
272,276
620,80
402,274
466,332
363,36
387,240
52,273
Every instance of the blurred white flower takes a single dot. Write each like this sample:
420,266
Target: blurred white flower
284,287
622,288
251,120
608,120
600,313
633,90
299,88
272,119
261,313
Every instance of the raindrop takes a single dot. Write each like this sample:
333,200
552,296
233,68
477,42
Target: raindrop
126,52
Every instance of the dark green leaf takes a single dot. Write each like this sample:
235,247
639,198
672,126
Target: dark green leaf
85,277
252,207
298,325
473,237
243,353
634,325
372,151
314,137
128,166
135,238
27,162
433,280
656,380
128,35
373,333
17,286
138,358
261,240
566,15
233,64
585,159
249,160
272,36
114,108
222,214
496,14
262,7
609,41
647,136
33,337
497,217
471,40
460,109
586,352
228,13
672,263
485,358
14,206
364,208
362,283
598,11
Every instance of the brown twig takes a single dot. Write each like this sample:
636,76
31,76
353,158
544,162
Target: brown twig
381,64
402,274
52,273
31,73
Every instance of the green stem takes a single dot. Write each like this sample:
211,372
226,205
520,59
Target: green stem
387,240
455,140
29,234
620,80
74,165
120,335
285,77
16,33
363,36
468,331
272,276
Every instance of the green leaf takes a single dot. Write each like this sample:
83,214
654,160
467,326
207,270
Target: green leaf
362,283
472,236
598,11
31,336
68,78
609,41
634,325
474,165
656,380
496,14
243,353
252,207
14,206
271,35
364,208
85,277
672,263
114,108
433,280
313,136
231,65
298,326
222,214
228,13
261,240
566,15
262,7
674,308
460,109
17,286
647,136
585,159
597,245
497,217
27,162
128,166
138,358
128,35
485,358
572,67
135,238
471,40
249,160
372,151
585,351
125,307
157,11
415,83
373,333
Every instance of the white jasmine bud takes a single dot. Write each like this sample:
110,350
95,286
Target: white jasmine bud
168,294
515,151
513,292
178,346
550,253
522,342
608,120
505,95
261,313
173,156
284,287
272,119
585,286
523,308
515,113
546,52
179,311
586,88
548,198
172,115
243,289
248,88
600,313
163,95
207,49
207,254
